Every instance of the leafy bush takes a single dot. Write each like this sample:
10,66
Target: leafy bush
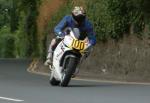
9,46
7,43
111,18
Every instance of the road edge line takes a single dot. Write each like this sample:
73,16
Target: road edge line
94,80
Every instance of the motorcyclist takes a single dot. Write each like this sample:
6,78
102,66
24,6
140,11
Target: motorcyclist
77,19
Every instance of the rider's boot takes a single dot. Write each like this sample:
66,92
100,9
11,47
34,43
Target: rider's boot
50,53
49,59
52,47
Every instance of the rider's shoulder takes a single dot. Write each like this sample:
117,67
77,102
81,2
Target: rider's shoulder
68,17
88,23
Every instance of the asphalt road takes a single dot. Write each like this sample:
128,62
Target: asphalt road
19,86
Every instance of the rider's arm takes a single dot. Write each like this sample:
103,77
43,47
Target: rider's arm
91,34
61,25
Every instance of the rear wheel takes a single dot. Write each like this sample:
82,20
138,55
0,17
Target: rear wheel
69,69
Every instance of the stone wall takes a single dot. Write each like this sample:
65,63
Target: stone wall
127,60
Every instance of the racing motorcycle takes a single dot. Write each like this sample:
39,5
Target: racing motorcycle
66,57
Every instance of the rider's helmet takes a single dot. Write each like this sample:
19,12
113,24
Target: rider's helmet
78,14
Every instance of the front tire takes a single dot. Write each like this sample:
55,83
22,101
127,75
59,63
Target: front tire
53,81
69,69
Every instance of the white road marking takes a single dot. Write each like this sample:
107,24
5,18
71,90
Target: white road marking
11,99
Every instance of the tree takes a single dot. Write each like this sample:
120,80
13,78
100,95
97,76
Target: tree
30,8
4,12
14,16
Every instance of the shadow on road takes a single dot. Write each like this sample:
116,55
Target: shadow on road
96,85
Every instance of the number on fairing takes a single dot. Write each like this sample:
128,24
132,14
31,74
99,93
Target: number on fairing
78,44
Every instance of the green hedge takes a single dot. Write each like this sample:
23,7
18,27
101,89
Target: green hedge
7,44
111,18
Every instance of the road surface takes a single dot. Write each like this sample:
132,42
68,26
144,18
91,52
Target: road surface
19,86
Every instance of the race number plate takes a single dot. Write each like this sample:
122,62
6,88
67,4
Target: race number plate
78,44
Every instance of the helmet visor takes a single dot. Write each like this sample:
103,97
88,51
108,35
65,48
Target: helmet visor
79,18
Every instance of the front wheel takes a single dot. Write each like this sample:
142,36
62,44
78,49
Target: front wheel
52,80
69,69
